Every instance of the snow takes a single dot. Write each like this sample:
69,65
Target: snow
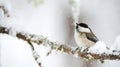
101,48
76,10
1,14
7,6
98,48
116,44
15,52
56,60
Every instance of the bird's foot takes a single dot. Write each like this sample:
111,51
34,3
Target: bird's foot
78,49
86,49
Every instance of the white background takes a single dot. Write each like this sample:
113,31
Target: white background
53,18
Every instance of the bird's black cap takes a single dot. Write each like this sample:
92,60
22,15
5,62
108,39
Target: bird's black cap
82,25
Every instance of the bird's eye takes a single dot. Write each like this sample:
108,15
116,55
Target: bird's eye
77,24
77,27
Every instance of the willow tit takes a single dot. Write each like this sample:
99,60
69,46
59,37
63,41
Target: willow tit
84,36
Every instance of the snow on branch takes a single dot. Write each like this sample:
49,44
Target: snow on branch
41,40
5,7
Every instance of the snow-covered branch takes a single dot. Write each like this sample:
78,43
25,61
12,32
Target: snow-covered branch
41,40
5,8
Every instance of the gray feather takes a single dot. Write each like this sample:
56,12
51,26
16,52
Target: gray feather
92,37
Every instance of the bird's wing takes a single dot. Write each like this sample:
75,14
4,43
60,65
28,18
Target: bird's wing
91,37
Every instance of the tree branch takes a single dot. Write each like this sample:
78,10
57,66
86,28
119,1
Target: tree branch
40,40
4,10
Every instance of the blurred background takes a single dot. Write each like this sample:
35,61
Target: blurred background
53,19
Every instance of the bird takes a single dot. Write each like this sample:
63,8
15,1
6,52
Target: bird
84,37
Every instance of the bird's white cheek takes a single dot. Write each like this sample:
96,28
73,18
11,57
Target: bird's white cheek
84,30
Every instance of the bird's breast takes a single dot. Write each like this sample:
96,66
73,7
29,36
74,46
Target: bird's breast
82,40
